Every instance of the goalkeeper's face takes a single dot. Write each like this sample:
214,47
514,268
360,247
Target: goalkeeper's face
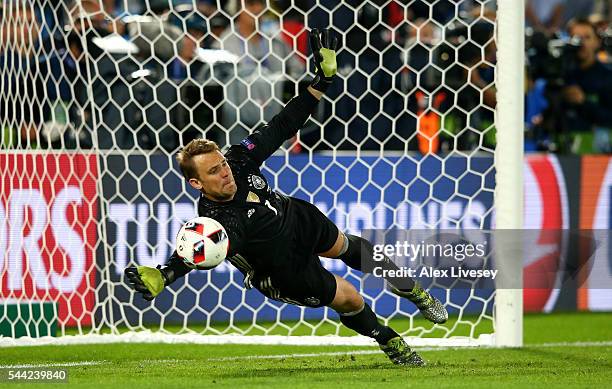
215,179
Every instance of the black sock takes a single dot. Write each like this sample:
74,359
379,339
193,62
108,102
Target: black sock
359,255
366,323
352,255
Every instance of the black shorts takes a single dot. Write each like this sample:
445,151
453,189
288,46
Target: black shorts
310,284
301,279
315,233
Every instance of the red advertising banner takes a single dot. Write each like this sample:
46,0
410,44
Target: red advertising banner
546,214
596,214
48,206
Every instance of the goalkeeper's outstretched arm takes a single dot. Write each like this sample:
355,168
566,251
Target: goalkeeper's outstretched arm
265,141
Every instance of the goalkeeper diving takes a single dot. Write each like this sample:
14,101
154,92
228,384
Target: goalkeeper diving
276,240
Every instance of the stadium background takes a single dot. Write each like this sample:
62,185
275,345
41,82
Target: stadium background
553,203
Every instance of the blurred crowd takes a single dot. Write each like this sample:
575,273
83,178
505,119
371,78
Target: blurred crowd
569,76
414,75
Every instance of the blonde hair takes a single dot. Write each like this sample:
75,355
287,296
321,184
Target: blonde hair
191,149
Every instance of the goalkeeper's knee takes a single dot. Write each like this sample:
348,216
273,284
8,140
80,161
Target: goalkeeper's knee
355,248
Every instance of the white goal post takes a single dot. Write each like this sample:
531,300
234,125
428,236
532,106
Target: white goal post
509,159
423,129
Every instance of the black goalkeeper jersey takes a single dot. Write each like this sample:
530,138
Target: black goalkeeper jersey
264,227
259,221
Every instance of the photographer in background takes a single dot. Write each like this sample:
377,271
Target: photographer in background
588,93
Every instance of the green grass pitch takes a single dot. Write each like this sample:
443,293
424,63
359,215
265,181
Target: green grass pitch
561,350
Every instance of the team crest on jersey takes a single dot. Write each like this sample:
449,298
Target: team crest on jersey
257,182
312,301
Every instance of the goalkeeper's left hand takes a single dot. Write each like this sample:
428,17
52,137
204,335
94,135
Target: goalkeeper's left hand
323,47
147,280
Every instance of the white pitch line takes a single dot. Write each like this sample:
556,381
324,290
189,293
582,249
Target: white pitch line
58,364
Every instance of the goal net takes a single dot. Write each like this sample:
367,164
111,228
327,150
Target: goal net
418,132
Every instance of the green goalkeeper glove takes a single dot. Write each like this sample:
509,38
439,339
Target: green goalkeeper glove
323,47
147,280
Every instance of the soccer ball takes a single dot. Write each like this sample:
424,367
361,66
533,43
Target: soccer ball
202,243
